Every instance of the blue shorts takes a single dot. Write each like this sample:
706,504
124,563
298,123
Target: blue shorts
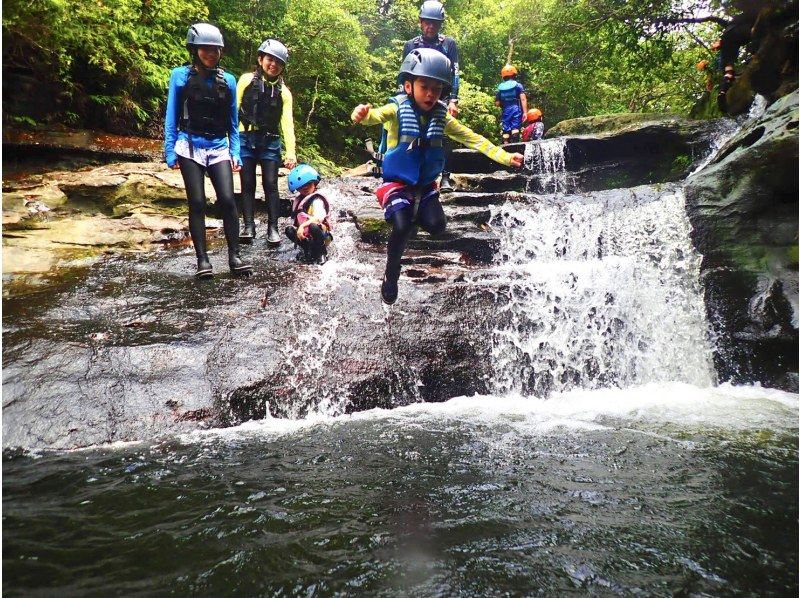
512,118
270,147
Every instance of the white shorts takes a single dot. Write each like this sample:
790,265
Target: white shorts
204,157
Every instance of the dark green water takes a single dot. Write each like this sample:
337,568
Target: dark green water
475,497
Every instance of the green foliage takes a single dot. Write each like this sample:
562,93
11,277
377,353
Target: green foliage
110,59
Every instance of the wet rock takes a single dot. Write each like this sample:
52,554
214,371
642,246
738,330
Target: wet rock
608,123
743,208
622,156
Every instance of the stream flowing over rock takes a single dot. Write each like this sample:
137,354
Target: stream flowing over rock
577,272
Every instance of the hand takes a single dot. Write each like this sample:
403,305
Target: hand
176,166
517,160
290,163
302,231
360,112
452,108
235,166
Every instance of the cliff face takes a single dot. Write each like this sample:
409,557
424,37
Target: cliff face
743,207
772,68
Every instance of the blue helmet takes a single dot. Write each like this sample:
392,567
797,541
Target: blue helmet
431,11
301,175
275,49
204,34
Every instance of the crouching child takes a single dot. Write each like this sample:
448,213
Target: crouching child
311,215
417,123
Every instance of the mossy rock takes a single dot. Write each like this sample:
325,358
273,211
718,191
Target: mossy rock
374,230
608,123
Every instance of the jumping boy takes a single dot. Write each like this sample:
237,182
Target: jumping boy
418,122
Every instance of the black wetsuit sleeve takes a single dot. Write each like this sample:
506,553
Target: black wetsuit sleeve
452,54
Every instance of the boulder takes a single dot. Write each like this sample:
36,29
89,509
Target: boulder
743,208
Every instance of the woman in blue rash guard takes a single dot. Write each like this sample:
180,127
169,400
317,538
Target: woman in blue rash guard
201,136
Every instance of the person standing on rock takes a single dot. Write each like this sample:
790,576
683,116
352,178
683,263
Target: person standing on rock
431,20
513,102
535,128
265,115
201,136
417,123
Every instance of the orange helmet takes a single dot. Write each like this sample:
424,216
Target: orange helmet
534,114
508,71
716,45
702,65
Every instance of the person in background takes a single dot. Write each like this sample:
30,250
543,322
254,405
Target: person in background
417,125
311,213
535,128
265,115
511,98
431,20
201,136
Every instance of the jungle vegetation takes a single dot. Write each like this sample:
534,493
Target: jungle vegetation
105,63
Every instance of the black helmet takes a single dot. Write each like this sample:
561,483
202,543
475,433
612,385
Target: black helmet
432,11
204,34
427,62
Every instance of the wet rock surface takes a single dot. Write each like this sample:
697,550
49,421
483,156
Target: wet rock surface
105,344
745,220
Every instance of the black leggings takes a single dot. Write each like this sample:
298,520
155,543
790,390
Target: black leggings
269,180
430,217
222,180
314,244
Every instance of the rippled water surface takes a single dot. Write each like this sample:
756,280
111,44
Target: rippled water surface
656,490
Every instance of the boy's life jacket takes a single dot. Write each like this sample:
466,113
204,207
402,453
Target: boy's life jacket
206,110
302,209
508,94
418,157
262,106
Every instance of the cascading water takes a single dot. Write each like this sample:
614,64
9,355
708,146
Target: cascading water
548,158
596,290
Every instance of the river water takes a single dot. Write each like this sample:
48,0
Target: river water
652,490
607,459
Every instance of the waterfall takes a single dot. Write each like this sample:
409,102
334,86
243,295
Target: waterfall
598,290
548,158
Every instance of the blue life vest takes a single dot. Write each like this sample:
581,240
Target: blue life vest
507,93
418,157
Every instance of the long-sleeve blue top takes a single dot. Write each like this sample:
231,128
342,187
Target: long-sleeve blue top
177,82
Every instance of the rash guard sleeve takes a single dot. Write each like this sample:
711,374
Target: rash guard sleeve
469,138
287,124
177,80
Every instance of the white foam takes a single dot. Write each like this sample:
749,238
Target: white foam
679,405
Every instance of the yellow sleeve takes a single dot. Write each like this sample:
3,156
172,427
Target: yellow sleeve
385,113
287,124
466,136
241,85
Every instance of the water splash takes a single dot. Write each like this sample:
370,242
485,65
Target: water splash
547,157
757,108
597,291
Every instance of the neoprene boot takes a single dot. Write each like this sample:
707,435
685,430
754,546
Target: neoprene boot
237,264
389,287
197,229
445,186
203,267
248,215
235,261
273,236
